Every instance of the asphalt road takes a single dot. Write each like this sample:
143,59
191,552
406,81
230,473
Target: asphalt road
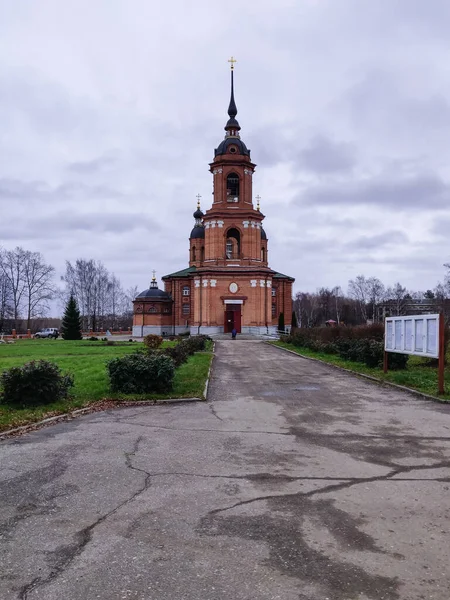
295,481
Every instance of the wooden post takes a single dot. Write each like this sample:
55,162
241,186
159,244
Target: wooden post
385,362
441,389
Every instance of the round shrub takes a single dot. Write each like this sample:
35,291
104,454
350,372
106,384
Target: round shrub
397,361
141,373
178,354
34,384
152,342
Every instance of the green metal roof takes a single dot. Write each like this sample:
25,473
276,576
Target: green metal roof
181,273
281,276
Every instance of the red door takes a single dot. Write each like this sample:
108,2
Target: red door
237,319
232,318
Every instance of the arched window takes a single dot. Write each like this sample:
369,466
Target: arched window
202,254
233,244
186,290
233,187
263,254
194,257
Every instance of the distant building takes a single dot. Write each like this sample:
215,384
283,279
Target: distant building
228,283
409,306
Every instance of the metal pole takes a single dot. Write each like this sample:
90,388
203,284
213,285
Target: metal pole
441,389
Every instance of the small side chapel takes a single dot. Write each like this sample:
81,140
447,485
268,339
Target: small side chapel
228,283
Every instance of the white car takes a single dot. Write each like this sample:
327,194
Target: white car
48,332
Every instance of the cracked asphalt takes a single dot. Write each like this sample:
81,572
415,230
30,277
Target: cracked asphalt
294,481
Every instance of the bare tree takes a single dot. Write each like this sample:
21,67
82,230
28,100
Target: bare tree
306,308
398,295
12,267
447,280
358,289
39,288
376,291
99,294
338,300
6,300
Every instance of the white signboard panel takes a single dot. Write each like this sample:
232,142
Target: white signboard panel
414,334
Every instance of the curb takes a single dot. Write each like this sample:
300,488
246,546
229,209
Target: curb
87,410
369,377
205,389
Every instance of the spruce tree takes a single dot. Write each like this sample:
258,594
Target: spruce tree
294,320
281,322
71,323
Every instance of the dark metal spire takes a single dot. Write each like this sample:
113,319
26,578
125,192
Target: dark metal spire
232,126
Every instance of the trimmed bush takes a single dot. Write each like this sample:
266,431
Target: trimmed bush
364,344
195,343
141,373
185,348
178,354
34,384
152,342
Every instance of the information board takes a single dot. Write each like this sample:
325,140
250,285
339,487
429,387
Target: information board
414,334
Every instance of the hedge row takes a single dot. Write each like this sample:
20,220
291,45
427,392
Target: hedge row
147,370
359,344
150,369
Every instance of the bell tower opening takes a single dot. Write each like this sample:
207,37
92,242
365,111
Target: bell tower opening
233,244
233,187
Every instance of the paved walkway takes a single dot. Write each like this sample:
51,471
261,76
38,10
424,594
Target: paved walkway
295,482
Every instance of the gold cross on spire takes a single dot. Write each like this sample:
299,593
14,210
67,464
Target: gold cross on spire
258,198
232,60
154,275
198,196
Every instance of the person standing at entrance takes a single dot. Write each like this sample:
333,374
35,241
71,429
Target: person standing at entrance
233,333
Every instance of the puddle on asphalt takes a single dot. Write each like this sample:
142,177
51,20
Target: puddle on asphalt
306,388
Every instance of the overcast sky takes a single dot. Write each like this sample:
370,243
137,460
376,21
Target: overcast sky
110,111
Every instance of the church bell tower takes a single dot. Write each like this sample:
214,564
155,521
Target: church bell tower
229,284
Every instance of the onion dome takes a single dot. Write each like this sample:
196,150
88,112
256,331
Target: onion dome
263,234
199,230
154,292
197,233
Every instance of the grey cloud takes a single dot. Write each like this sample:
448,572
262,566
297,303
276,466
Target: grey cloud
378,241
14,189
441,227
68,222
92,166
420,192
71,109
323,155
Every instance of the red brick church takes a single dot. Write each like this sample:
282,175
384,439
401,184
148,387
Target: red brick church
228,283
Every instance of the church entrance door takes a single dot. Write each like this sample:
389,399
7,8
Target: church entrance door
232,318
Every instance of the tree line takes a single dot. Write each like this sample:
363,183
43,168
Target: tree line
367,299
28,286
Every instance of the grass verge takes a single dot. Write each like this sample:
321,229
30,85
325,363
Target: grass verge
87,362
417,376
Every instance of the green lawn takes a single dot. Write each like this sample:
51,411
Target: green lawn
418,375
87,362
